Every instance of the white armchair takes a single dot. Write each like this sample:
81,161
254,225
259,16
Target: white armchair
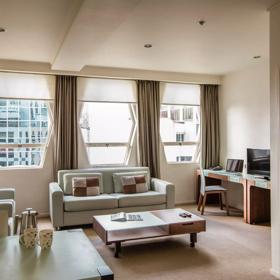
7,203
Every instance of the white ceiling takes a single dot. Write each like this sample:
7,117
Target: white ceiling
71,34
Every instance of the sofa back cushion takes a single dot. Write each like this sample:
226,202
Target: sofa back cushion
68,178
118,181
107,172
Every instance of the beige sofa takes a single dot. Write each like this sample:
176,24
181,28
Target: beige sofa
67,210
8,204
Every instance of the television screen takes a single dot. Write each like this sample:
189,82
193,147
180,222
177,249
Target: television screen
258,162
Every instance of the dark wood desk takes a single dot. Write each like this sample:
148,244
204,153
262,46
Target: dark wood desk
256,193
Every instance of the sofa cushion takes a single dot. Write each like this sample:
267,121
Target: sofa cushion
134,184
140,199
67,180
117,178
108,184
88,186
84,203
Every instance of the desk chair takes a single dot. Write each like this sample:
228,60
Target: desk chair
205,190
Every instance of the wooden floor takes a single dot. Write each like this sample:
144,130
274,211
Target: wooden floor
229,249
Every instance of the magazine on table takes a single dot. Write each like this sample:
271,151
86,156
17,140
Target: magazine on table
124,217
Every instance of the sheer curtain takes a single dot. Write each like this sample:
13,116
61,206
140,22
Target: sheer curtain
65,124
148,96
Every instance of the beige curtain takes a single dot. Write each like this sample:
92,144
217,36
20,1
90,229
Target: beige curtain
148,98
65,124
210,131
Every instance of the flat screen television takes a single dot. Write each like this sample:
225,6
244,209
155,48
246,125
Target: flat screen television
258,162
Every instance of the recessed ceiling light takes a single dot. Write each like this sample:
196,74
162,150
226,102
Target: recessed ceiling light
256,56
2,29
148,46
201,22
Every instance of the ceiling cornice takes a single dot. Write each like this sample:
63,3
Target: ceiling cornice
108,72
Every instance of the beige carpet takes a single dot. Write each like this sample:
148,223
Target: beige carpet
229,249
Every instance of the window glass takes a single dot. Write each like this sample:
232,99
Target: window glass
181,120
180,132
180,153
107,130
23,135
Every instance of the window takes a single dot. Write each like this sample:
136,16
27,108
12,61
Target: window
108,130
183,158
180,137
24,132
180,132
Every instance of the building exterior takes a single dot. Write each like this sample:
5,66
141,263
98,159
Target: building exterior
24,128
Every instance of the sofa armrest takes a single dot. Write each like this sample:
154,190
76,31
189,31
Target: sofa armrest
7,193
9,206
56,204
167,188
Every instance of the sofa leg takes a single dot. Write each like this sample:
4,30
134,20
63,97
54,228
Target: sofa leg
57,228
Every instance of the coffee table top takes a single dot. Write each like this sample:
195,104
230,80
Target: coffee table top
72,256
149,220
155,218
171,216
154,224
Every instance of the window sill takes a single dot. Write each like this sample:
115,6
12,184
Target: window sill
108,165
11,168
183,163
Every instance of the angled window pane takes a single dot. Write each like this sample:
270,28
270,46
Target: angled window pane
107,124
179,153
107,155
179,120
23,122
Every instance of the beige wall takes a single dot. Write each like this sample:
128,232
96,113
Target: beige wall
244,116
32,184
275,137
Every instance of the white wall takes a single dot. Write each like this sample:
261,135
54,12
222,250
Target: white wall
275,137
244,116
31,184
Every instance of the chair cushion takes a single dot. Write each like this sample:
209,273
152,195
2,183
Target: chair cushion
84,203
67,180
214,188
117,178
140,199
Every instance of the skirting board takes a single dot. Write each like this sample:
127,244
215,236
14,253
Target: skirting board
43,215
181,203
275,273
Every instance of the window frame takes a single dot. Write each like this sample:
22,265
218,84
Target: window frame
50,106
128,145
196,156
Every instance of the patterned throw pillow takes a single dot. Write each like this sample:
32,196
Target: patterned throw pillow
134,184
85,186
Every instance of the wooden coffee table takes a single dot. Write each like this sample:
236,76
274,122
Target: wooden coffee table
157,223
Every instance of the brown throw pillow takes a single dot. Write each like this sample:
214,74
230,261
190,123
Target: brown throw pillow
88,186
134,184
